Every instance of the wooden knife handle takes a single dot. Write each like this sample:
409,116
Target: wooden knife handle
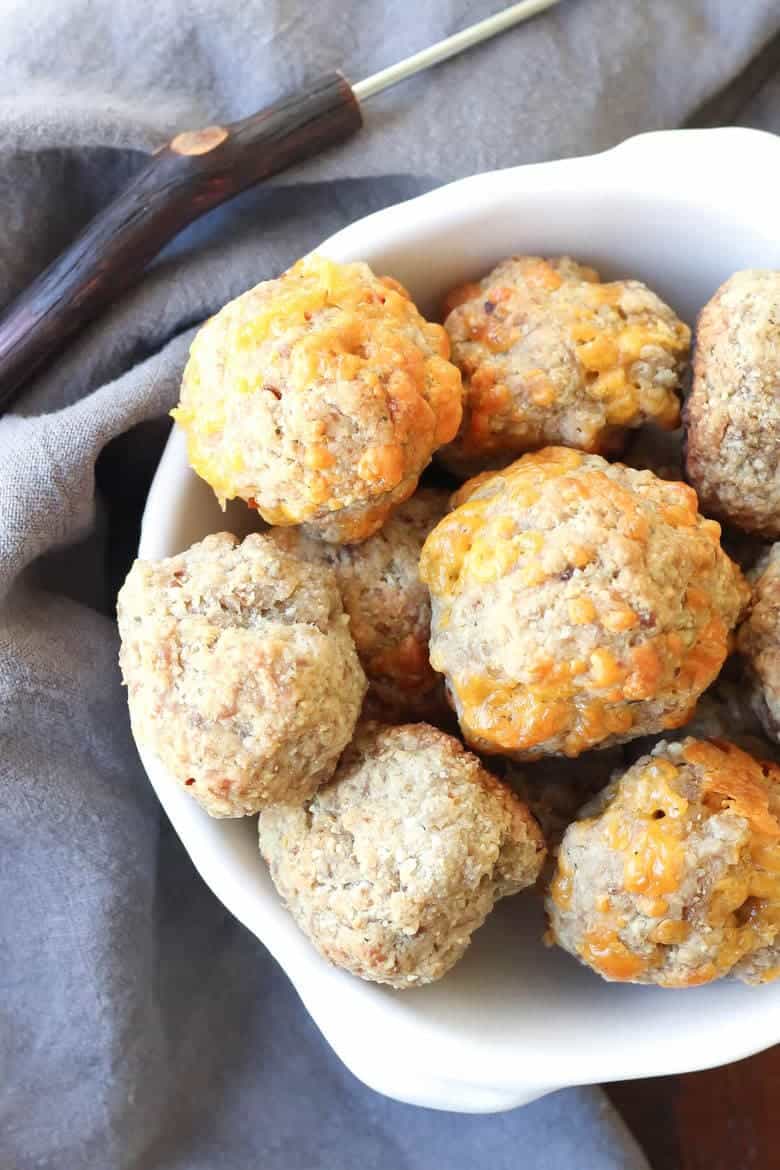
195,171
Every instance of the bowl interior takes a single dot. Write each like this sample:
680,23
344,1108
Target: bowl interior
514,1019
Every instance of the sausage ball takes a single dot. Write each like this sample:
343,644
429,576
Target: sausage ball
549,355
319,398
391,867
576,604
733,411
673,875
758,641
389,608
242,675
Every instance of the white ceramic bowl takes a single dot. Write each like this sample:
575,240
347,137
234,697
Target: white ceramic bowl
680,210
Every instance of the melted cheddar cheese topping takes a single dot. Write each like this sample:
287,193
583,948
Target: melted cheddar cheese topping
649,823
319,324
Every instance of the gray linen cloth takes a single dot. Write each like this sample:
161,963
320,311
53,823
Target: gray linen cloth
142,1028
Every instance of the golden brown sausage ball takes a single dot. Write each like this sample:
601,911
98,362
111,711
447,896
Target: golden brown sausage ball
319,398
672,876
241,673
389,607
733,411
576,604
550,355
391,867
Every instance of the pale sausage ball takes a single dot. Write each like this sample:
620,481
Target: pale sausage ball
319,398
576,604
241,673
551,355
733,411
672,875
391,867
388,605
